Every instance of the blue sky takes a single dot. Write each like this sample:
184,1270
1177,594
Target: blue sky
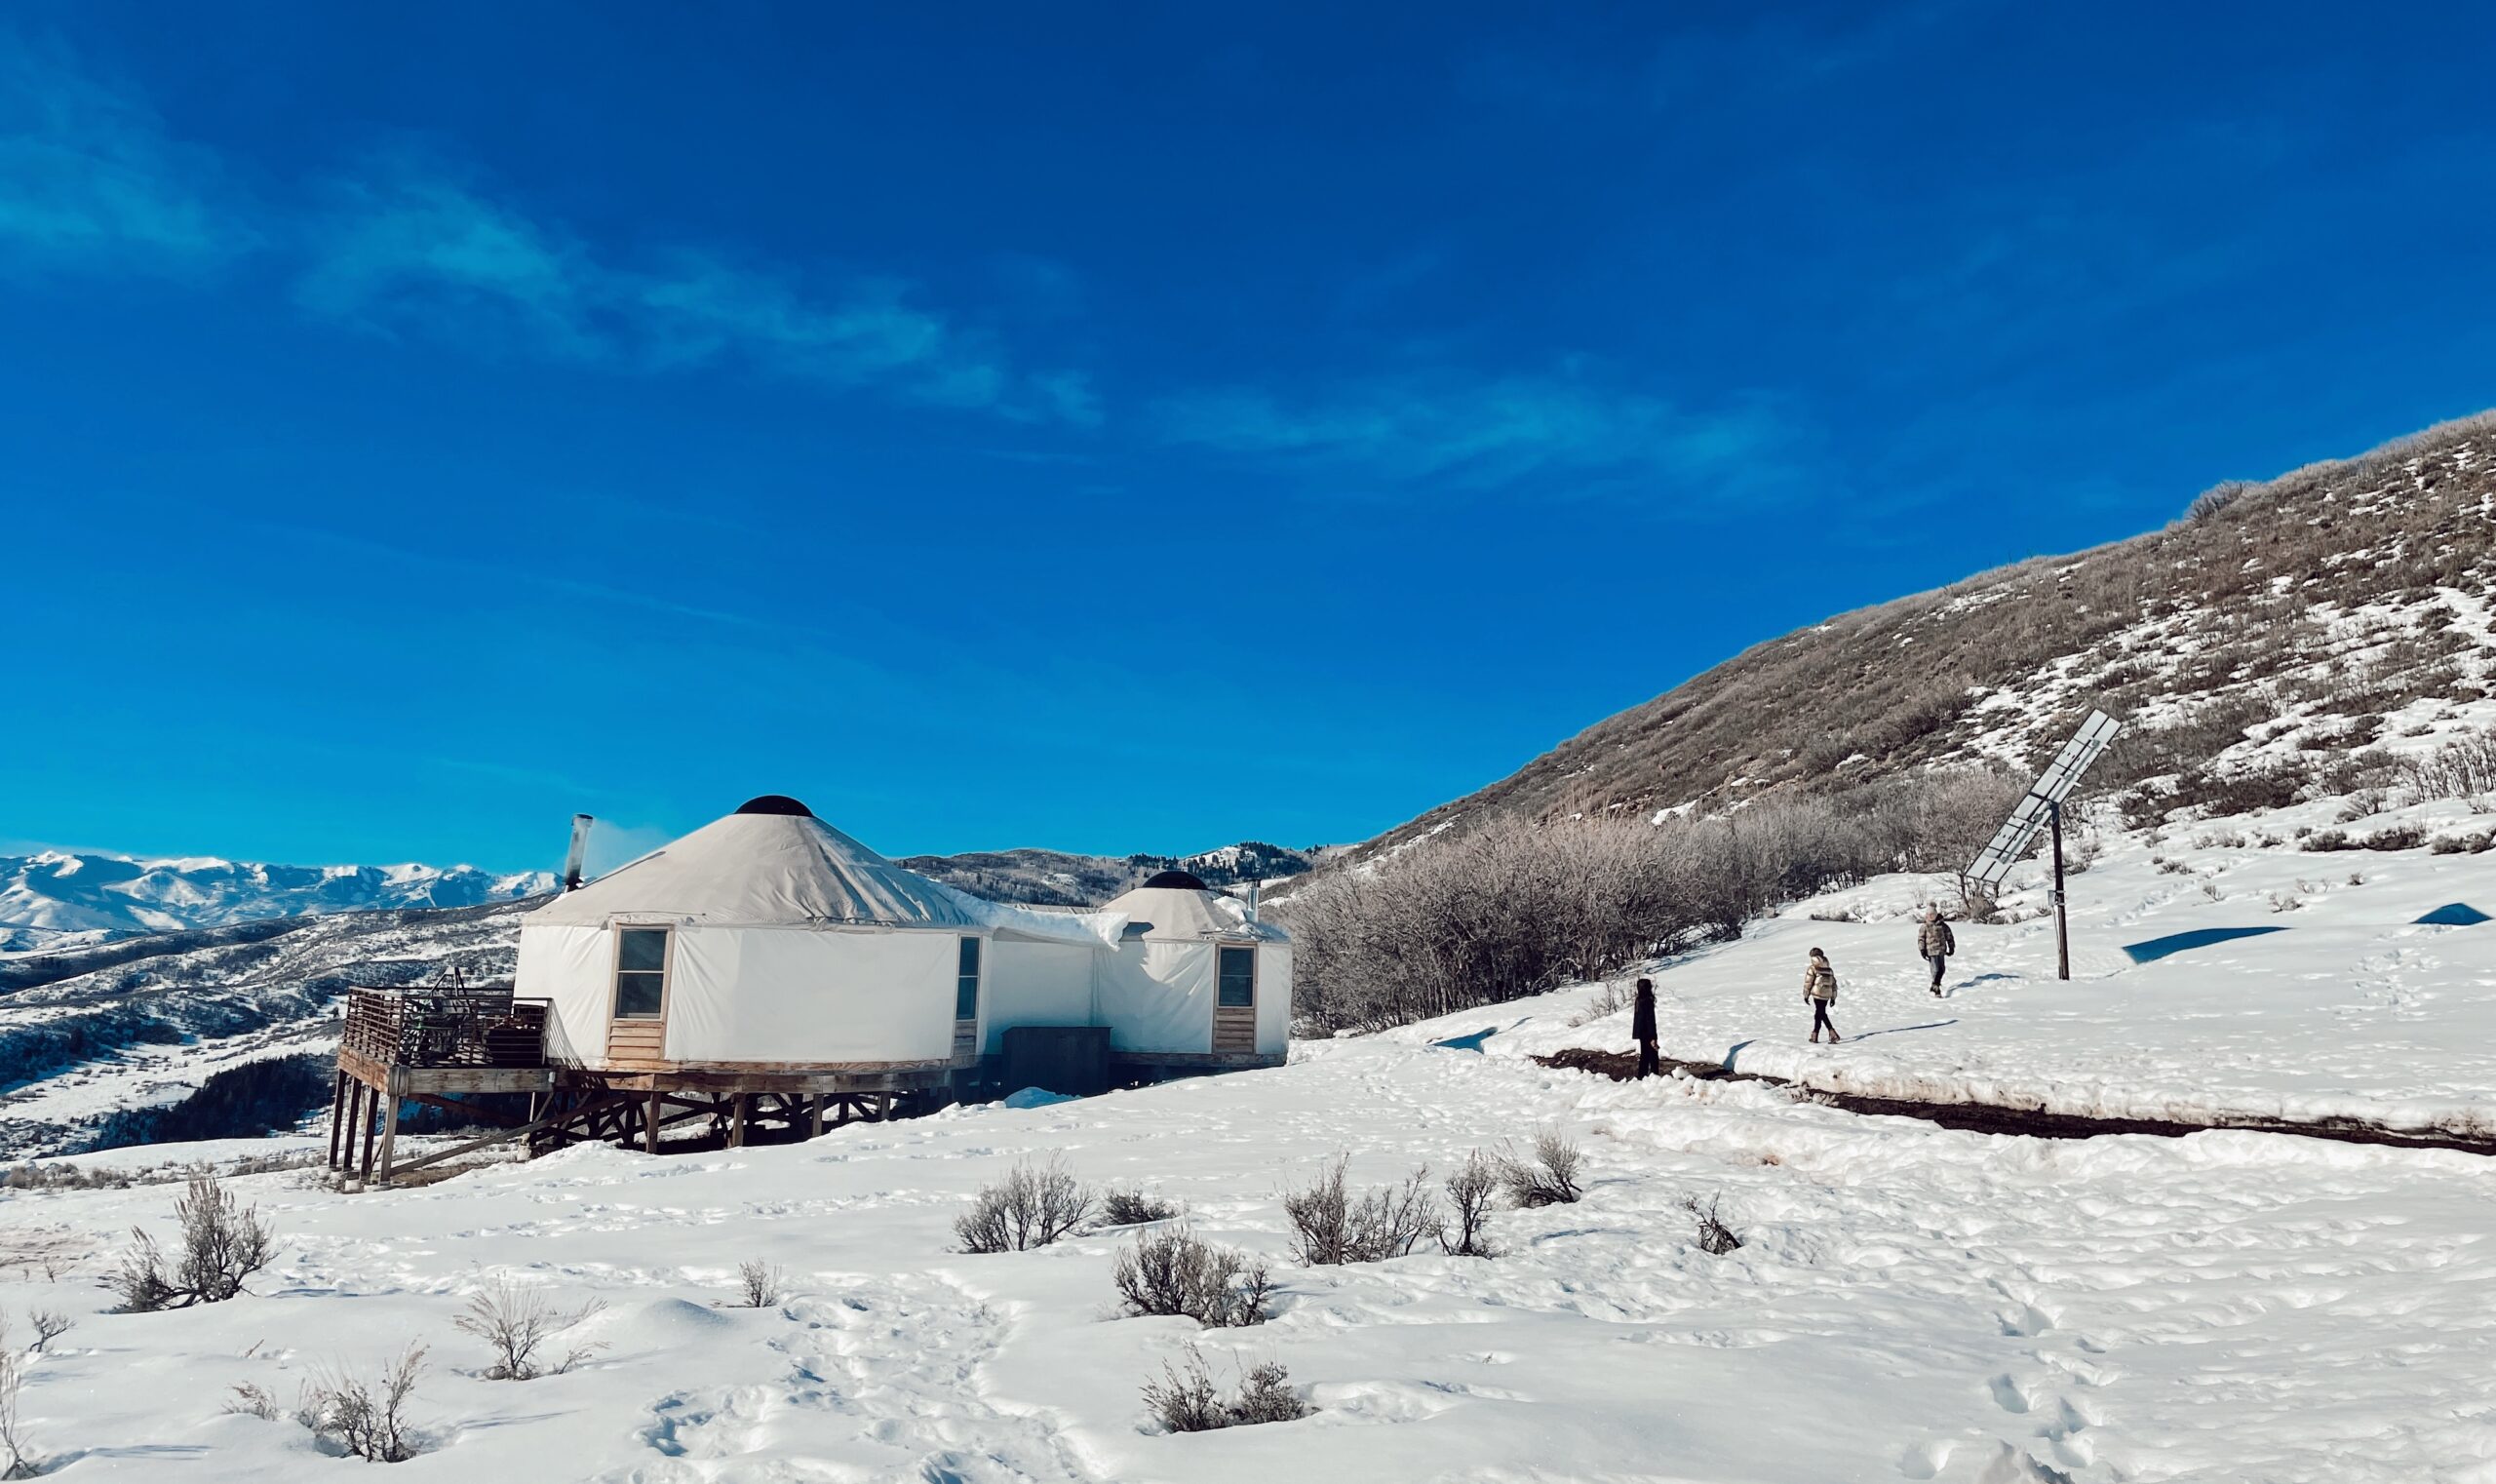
1116,428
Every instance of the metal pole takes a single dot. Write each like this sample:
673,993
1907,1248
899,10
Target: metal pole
2062,922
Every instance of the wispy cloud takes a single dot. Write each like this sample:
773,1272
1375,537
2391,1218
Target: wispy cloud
411,247
1479,433
89,178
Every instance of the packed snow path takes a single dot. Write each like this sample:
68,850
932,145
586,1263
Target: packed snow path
1910,1303
2354,1012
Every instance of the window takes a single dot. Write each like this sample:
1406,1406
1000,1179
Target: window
641,973
966,982
1238,977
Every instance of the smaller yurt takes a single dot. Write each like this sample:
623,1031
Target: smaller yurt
1194,980
770,942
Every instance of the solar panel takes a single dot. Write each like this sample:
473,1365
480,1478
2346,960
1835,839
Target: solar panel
2010,843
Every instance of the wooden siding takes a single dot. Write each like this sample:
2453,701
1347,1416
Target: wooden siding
636,1042
1234,1028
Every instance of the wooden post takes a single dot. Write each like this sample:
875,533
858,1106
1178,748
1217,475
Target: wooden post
2062,921
651,1139
337,1114
737,1120
389,1130
814,1117
371,1127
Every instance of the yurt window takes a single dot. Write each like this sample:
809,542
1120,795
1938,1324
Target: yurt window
966,983
1238,977
641,973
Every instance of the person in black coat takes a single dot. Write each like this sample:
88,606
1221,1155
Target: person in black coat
1642,1026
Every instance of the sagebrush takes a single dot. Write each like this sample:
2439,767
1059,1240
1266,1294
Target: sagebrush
1330,1226
1032,1206
1173,1271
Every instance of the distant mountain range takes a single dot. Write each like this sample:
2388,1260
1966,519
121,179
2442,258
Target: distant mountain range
63,899
1054,878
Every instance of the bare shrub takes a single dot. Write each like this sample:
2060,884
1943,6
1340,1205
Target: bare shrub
1186,1399
251,1399
224,1243
2464,768
1265,1396
1468,1196
2211,503
1032,1206
369,1419
50,1324
1517,908
1135,1208
1330,1228
1714,1237
1173,1272
1549,1178
517,1322
760,1284
13,1445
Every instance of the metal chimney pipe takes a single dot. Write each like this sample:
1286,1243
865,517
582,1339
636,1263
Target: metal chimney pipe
580,847
1253,883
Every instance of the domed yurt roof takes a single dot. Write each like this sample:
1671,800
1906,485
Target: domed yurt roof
773,864
1161,909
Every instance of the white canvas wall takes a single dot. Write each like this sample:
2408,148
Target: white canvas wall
574,967
802,995
1159,996
758,994
1036,984
1273,998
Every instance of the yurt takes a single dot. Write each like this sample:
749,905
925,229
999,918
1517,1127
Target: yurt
770,942
1194,981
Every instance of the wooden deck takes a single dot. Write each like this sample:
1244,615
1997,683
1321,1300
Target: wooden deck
430,1046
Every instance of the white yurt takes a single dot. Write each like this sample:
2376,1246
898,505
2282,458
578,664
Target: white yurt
1195,976
768,941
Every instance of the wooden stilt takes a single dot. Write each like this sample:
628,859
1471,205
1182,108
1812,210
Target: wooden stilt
815,1118
652,1145
372,1128
389,1135
337,1114
354,1125
737,1120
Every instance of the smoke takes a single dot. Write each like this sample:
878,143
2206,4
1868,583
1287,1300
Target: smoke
613,844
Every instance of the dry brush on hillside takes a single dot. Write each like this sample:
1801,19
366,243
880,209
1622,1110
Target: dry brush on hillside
1515,909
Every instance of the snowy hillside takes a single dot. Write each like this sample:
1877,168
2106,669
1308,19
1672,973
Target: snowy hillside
2281,632
59,898
1909,1302
1054,878
146,1020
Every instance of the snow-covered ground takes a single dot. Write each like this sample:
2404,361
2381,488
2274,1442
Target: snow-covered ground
1910,1301
2351,1010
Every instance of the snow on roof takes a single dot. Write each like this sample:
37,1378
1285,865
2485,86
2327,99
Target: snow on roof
1175,912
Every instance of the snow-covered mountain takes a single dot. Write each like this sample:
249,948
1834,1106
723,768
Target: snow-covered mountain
59,898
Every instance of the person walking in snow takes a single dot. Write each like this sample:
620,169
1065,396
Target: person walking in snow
1932,940
1820,991
1642,1026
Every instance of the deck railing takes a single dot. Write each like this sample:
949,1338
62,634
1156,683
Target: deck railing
471,1025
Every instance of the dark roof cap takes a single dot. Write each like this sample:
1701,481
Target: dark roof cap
1177,880
775,803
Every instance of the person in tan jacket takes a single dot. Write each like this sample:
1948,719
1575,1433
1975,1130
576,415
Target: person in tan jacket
1820,991
1934,941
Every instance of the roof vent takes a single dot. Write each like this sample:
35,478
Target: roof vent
775,803
1176,880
